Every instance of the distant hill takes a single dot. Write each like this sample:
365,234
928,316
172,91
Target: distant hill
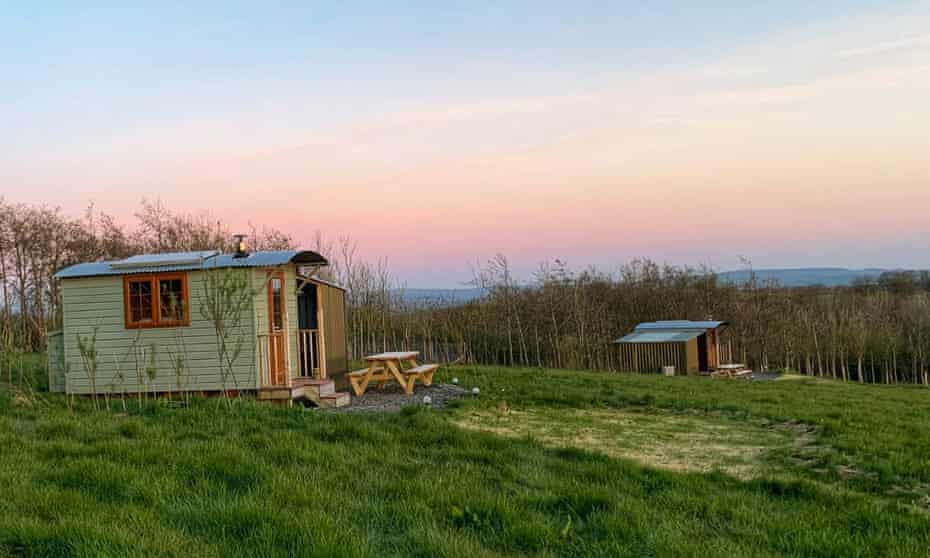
797,277
806,276
442,297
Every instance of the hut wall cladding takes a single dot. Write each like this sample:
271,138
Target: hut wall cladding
97,302
56,362
691,350
712,357
651,357
333,306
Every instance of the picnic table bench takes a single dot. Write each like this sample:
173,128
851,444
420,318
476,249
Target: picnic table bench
385,367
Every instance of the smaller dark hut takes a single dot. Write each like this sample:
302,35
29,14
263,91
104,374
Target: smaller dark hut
689,347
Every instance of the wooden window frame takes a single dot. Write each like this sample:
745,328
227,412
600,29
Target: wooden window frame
272,275
157,320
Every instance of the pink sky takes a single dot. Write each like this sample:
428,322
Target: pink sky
805,146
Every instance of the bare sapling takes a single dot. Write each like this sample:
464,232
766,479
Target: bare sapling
87,347
151,369
119,375
70,396
178,356
225,296
138,353
6,353
178,360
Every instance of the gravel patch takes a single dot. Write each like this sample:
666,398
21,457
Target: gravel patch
393,398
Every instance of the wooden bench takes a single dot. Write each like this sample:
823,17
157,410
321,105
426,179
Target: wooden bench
361,372
424,372
359,379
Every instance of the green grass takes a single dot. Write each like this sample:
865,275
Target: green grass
883,431
675,441
263,481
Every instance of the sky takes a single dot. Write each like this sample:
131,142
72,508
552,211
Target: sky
438,134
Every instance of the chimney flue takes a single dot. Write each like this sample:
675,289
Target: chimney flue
242,250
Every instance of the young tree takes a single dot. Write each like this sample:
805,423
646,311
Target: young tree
87,347
225,296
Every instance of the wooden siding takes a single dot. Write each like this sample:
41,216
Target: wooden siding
651,357
691,350
333,309
56,362
90,302
713,359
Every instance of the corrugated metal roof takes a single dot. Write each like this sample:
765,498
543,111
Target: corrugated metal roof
680,324
668,336
153,263
316,279
166,259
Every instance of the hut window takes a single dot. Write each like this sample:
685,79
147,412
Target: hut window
277,306
159,300
140,301
172,300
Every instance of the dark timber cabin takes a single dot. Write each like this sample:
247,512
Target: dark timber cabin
690,347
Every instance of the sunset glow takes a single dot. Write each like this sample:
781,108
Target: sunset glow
437,138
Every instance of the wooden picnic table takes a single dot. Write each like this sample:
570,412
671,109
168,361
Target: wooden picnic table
384,367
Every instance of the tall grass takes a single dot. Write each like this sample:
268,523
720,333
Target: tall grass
257,480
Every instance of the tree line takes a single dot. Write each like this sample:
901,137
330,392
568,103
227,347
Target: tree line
875,331
36,241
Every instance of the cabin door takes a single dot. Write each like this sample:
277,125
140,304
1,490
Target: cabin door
277,341
308,328
702,353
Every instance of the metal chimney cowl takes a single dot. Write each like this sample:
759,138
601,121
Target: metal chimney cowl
241,248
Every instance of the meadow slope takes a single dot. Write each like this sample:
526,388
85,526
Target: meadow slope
542,463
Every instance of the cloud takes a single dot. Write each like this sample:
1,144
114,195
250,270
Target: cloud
887,46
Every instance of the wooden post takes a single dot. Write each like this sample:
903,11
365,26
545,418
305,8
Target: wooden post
321,335
255,329
287,333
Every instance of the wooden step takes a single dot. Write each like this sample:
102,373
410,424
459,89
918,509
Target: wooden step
321,392
271,393
306,381
337,399
320,386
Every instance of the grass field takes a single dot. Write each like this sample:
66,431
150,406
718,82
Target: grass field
542,463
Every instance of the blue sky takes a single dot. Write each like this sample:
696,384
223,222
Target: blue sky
72,66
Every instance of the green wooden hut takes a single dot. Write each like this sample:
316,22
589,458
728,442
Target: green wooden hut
149,324
690,347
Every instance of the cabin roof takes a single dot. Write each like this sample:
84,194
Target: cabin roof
669,331
660,336
189,261
680,324
163,260
320,281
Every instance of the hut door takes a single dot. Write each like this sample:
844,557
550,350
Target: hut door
277,342
308,349
702,353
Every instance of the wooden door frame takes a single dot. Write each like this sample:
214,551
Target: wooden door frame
321,334
272,332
